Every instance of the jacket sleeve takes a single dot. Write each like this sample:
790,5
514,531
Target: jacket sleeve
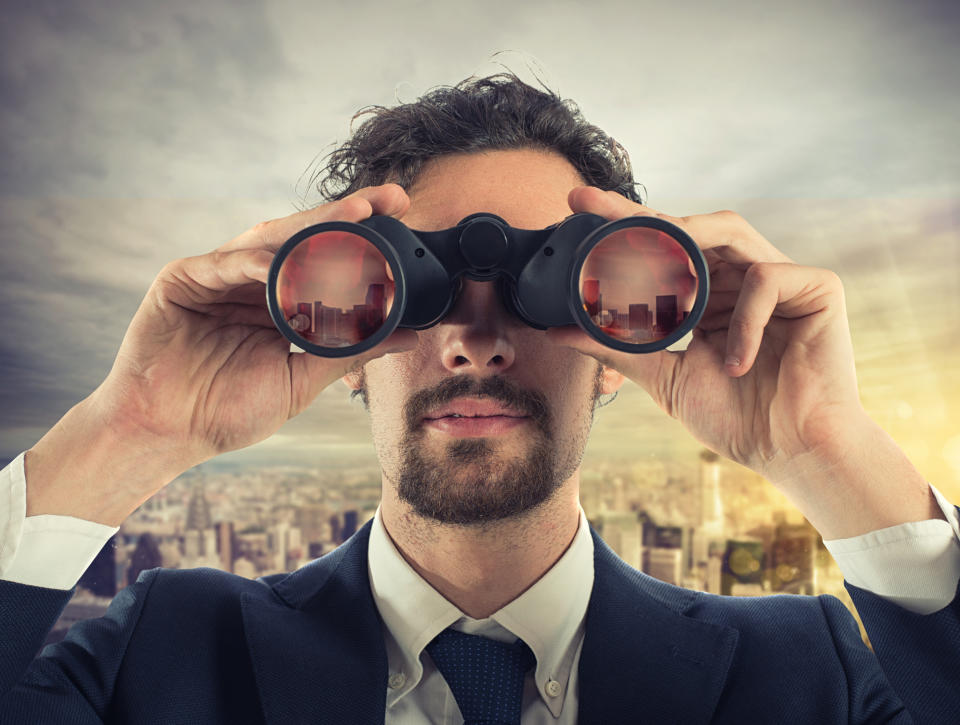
919,654
71,681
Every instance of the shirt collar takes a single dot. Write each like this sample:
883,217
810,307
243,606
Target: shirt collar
549,616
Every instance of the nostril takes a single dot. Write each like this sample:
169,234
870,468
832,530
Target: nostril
497,360
461,360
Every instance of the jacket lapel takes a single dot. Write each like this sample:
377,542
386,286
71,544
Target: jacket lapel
316,642
317,647
642,659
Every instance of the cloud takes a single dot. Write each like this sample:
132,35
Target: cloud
136,133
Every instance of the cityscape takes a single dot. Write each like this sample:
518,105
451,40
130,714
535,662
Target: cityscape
639,323
330,326
722,529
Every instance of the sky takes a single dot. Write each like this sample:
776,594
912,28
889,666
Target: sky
134,133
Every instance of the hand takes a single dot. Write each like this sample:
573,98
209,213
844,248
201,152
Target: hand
202,361
769,375
201,370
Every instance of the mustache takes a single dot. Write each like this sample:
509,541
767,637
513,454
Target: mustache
529,402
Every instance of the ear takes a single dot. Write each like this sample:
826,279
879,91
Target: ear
355,379
612,380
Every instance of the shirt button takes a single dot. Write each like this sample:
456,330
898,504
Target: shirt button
553,688
396,680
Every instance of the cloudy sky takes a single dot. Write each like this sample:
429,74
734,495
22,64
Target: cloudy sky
133,133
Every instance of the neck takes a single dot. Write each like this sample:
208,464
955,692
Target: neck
480,569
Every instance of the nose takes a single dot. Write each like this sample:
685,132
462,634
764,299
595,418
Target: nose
478,333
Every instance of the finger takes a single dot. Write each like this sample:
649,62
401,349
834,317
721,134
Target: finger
643,369
720,302
726,277
790,291
206,278
726,233
386,200
312,373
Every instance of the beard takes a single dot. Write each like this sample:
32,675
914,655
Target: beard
471,481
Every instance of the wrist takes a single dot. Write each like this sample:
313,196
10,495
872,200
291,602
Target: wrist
95,468
858,481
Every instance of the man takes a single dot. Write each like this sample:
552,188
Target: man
480,531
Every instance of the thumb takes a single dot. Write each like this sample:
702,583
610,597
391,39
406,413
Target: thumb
652,371
311,374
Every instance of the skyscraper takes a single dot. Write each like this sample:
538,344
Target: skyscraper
666,314
145,556
100,578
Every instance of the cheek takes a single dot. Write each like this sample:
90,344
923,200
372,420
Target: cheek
391,381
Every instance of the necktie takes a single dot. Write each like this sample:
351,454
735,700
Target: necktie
485,676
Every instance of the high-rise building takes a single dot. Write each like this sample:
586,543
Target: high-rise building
679,538
146,555
666,314
304,308
622,533
225,546
665,565
317,320
793,558
349,528
199,536
709,522
313,520
743,568
711,503
376,303
639,317
100,578
198,511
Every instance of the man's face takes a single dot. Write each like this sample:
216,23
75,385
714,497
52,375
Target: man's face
486,419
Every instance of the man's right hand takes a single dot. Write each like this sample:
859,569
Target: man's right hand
201,370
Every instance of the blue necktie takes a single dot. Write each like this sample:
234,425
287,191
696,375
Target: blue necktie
485,676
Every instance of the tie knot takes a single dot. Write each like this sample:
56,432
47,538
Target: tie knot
485,676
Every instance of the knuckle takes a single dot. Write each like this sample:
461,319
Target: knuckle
758,274
728,215
832,279
173,268
352,206
260,227
217,258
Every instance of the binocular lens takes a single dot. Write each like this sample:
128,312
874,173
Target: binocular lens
637,285
335,289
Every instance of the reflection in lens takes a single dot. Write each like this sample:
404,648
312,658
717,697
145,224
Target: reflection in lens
637,285
334,289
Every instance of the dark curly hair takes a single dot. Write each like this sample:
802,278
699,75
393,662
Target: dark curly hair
477,114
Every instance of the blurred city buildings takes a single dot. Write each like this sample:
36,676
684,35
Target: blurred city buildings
718,528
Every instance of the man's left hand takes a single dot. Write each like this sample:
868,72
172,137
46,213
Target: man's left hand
768,379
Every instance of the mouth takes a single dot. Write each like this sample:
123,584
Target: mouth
473,417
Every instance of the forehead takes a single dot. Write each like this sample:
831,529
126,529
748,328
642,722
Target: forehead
526,187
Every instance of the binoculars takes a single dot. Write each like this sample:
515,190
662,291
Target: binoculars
636,284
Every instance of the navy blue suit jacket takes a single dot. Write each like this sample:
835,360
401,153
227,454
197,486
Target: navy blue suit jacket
202,646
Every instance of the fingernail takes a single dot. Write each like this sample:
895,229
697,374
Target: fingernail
732,361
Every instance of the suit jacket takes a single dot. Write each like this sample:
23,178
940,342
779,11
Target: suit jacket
202,646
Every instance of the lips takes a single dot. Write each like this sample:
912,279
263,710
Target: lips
474,408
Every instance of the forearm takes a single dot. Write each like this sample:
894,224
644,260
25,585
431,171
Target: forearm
860,481
93,468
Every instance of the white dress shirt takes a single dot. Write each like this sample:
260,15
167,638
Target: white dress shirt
915,565
549,617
